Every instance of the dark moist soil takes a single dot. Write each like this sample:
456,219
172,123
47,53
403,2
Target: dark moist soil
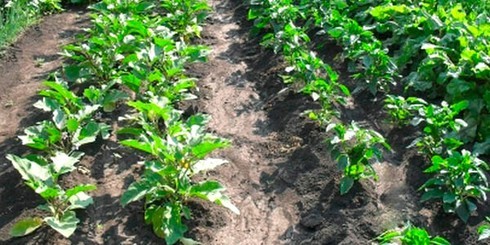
279,173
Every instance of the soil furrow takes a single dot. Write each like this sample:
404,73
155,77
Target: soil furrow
229,93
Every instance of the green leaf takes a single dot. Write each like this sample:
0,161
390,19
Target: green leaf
80,200
66,225
132,82
72,72
29,170
174,228
431,194
62,94
26,226
87,134
458,12
463,212
206,147
72,125
449,197
135,191
336,32
111,98
343,162
211,191
64,163
79,188
59,118
458,86
47,192
458,107
483,232
47,104
346,184
439,241
142,146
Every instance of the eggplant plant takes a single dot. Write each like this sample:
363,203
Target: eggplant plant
72,124
459,180
42,176
409,235
355,149
177,151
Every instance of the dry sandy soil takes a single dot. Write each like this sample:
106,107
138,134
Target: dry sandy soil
280,175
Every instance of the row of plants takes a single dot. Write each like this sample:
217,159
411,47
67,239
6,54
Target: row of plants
135,53
388,45
441,49
354,148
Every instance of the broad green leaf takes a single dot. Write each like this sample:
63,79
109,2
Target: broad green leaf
64,163
463,212
59,118
336,32
431,194
458,12
346,184
211,191
174,229
449,197
113,97
47,104
87,112
135,191
483,232
66,225
38,137
132,82
131,131
79,188
482,148
142,146
64,94
72,72
207,164
206,147
104,131
80,200
26,226
48,192
72,125
29,170
87,134
343,162
458,107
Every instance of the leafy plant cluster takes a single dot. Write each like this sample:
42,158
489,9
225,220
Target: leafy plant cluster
56,143
437,47
353,147
134,53
409,235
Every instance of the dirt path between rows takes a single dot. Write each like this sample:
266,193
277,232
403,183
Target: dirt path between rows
230,94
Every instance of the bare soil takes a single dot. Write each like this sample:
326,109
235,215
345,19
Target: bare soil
280,175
